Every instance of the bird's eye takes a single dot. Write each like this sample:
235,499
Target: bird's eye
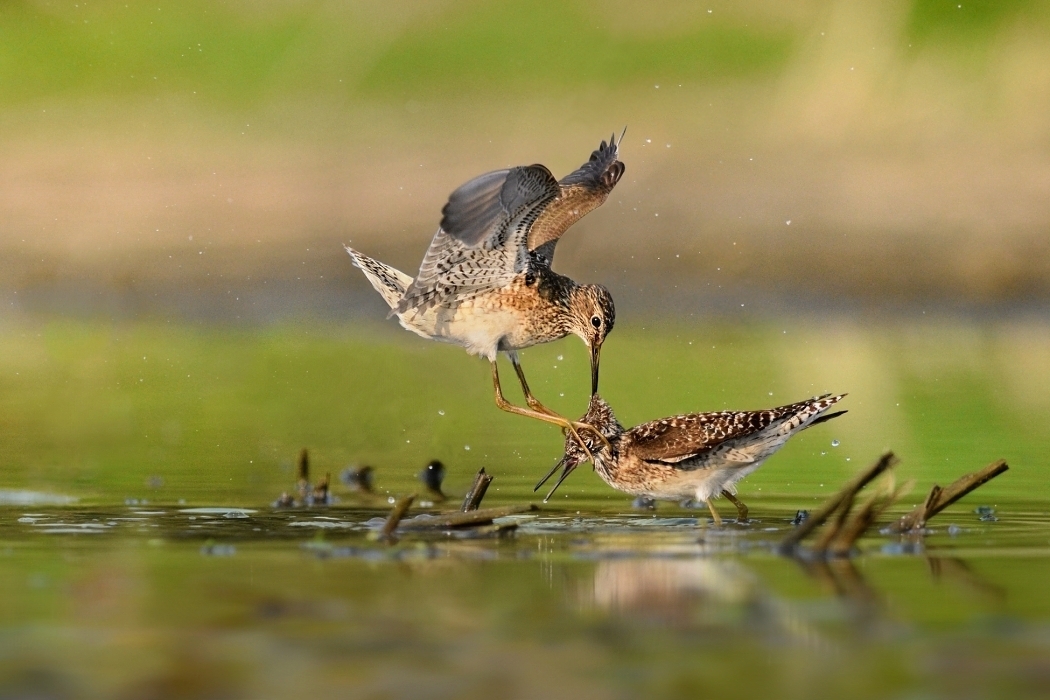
596,321
529,279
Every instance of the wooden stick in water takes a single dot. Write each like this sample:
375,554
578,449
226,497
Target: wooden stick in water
470,519
302,473
844,496
477,491
392,521
856,527
939,498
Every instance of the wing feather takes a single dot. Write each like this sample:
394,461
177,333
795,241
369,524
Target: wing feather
579,193
679,438
684,437
481,242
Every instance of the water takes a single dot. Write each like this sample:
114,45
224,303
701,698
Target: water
170,602
141,557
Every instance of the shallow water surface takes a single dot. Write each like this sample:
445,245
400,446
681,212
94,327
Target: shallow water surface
167,601
141,557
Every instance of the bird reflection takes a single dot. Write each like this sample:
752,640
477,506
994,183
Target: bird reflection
653,584
697,592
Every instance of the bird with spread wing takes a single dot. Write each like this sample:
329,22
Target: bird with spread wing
486,281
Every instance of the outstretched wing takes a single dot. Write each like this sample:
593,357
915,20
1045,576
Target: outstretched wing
579,193
481,242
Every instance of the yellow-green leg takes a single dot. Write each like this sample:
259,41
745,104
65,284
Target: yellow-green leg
741,509
714,513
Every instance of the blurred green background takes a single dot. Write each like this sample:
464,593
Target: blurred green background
819,196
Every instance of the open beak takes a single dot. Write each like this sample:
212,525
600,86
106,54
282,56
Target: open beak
596,351
551,472
570,466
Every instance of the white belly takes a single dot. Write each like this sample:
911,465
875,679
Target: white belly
479,332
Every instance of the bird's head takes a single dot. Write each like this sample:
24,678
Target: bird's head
593,316
599,416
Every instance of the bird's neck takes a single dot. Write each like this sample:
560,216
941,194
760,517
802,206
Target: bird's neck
556,289
606,461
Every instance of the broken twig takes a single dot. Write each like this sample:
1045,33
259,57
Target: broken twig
844,496
477,490
841,544
939,498
386,534
472,518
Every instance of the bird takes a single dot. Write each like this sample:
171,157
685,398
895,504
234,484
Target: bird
486,281
695,455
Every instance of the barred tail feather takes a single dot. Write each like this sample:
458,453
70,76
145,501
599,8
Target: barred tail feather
817,406
388,281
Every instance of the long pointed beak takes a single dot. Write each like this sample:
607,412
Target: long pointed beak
569,468
596,351
555,468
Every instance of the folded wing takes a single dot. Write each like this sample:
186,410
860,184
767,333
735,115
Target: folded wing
679,438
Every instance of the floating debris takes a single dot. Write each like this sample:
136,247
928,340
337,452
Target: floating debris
646,503
464,519
838,537
320,496
386,534
939,499
358,478
432,477
307,494
477,491
800,517
843,529
302,474
285,500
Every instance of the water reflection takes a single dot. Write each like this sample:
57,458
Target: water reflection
658,586
957,572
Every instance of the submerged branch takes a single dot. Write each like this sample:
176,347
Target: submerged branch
394,519
469,519
940,498
477,491
843,499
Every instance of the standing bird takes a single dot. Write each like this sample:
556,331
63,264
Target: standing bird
697,455
486,281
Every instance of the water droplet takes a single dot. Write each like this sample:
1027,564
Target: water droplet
440,412
835,443
466,447
560,358
771,393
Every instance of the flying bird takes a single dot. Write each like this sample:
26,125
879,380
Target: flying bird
486,281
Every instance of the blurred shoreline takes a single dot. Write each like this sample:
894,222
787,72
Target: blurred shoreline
815,157
343,301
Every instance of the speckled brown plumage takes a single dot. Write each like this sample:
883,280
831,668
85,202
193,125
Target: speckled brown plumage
695,455
486,281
